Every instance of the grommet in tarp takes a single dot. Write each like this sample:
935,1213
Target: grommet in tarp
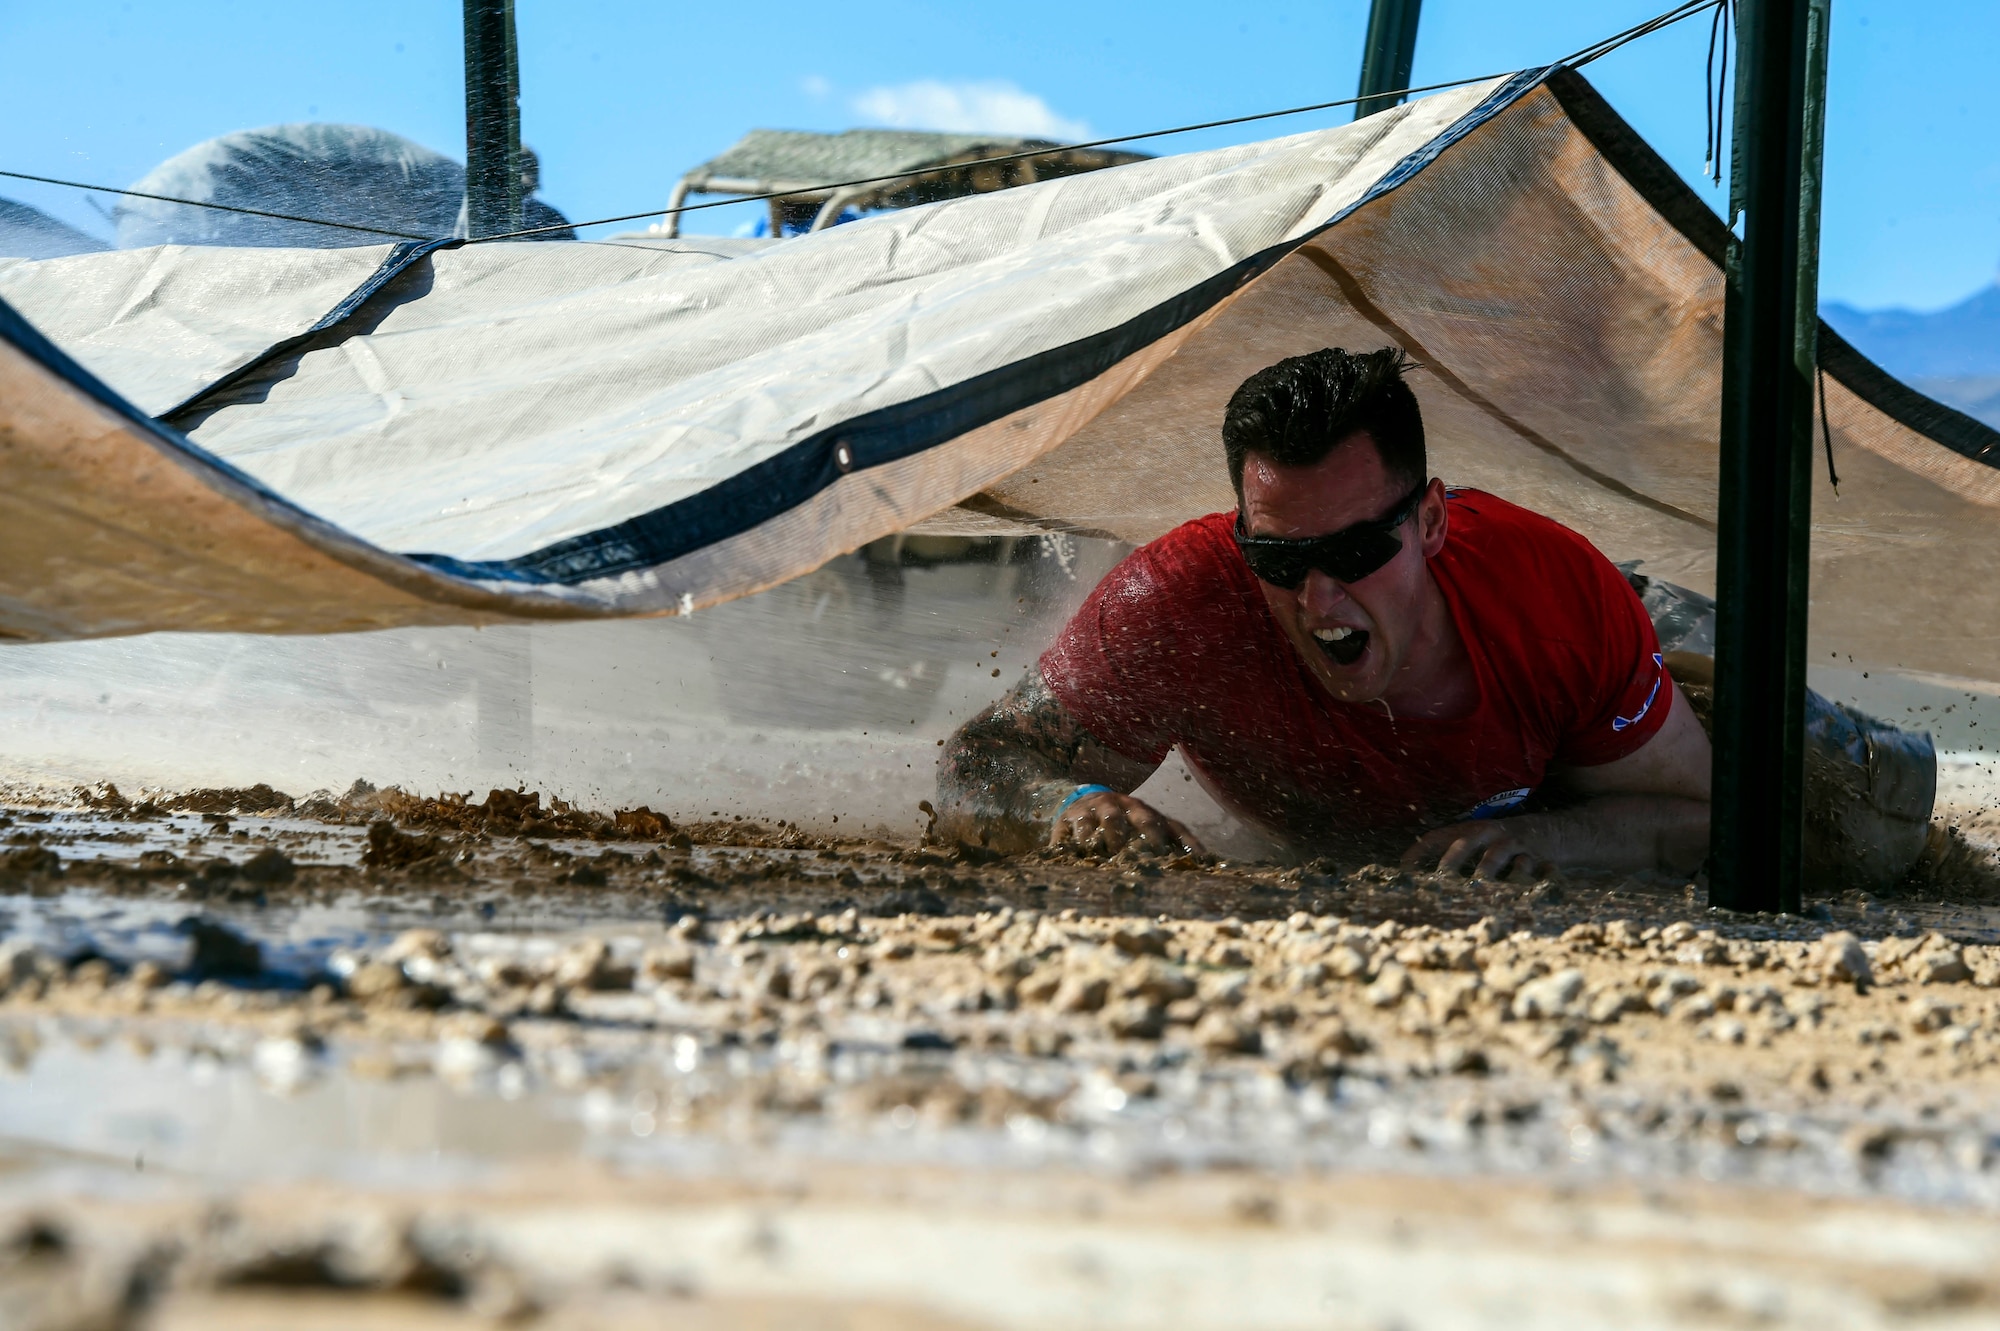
843,456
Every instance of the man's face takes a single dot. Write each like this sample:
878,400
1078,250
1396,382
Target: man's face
1323,617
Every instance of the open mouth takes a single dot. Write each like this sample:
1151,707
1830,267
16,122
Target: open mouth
1345,645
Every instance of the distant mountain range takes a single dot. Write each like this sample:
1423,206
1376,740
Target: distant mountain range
1951,354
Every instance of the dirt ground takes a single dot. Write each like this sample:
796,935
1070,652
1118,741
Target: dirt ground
744,1074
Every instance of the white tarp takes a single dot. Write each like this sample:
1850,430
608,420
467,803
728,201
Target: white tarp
503,431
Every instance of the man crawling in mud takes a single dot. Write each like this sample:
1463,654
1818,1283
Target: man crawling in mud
1357,659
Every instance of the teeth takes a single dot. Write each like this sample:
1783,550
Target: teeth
1332,635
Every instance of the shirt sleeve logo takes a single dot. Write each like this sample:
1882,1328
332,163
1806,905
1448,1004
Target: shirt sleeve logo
1620,722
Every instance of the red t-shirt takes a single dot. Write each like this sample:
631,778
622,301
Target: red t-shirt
1177,647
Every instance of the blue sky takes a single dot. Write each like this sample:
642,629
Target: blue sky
619,98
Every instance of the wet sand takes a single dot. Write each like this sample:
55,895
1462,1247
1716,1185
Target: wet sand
1560,1095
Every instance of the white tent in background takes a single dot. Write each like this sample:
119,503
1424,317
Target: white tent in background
324,440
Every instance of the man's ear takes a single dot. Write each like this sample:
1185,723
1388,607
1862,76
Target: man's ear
1433,519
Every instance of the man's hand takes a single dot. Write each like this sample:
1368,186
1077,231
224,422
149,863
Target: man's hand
1002,777
1104,823
1647,810
1487,849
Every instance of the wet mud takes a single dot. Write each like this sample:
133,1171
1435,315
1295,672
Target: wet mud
737,993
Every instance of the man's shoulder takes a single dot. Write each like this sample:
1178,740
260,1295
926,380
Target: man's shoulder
1196,556
1484,511
1205,538
1190,583
1521,575
1175,620
1550,611
1505,540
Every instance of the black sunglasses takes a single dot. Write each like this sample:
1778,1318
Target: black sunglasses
1347,555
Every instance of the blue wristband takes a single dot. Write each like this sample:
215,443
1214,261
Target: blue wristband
1079,793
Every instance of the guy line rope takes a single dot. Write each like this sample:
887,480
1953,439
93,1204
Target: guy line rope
1596,50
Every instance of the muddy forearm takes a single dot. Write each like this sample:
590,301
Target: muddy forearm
1007,770
1621,832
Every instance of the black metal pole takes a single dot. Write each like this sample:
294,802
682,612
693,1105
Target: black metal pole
492,119
1388,56
1765,509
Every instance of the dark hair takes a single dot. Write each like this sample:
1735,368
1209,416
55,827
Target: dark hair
1297,411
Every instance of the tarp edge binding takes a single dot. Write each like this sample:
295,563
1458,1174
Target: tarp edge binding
1676,201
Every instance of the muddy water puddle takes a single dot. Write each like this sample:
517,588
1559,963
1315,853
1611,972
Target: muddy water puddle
236,995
